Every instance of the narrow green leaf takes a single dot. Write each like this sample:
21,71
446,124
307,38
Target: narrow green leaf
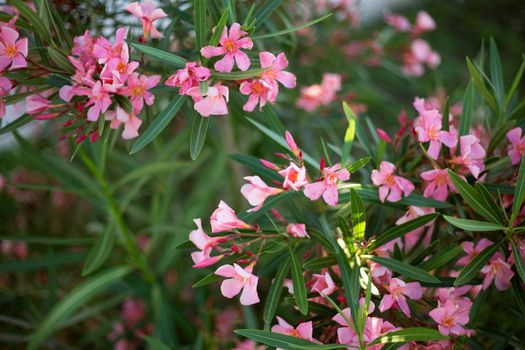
198,135
18,123
441,257
239,75
292,29
514,85
100,251
155,343
36,22
272,120
472,269
409,334
520,265
255,165
349,134
274,294
352,168
496,73
41,262
358,215
400,230
161,122
488,200
163,317
161,55
199,13
72,301
265,11
473,225
61,61
299,286
519,192
480,85
207,280
445,113
283,341
466,112
151,169
320,263
406,269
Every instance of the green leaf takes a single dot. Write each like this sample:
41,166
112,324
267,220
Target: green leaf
400,230
151,169
480,85
161,122
514,85
265,11
441,257
520,265
350,132
358,215
473,198
199,8
164,320
406,269
519,192
61,61
292,29
352,168
72,301
472,269
473,225
100,251
466,112
198,134
320,263
272,120
41,262
161,55
255,165
299,286
496,73
18,123
207,280
409,334
283,341
239,75
445,113
155,343
36,22
274,294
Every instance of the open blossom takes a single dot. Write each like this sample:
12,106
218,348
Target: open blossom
130,120
147,13
205,244
327,187
411,238
472,250
239,279
517,148
294,177
13,52
316,95
472,155
137,90
398,292
324,284
5,87
100,100
303,330
188,77
391,187
450,318
297,230
424,23
105,51
215,102
259,92
224,219
256,191
230,46
437,184
499,271
275,73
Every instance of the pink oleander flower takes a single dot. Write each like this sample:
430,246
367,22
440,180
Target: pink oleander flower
316,95
5,88
398,22
399,290
413,237
324,284
13,53
275,73
499,271
99,101
256,191
36,104
472,251
225,219
291,144
303,330
83,46
517,149
294,177
450,319
239,279
248,345
205,243
327,186
137,90
188,77
131,122
104,50
297,230
472,155
147,13
424,23
424,53
133,310
428,129
437,184
380,274
391,187
230,46
215,102
258,90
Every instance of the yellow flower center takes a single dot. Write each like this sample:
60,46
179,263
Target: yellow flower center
229,45
11,51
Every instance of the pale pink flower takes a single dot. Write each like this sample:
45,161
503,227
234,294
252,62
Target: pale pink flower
13,52
206,244
275,73
239,279
36,104
398,291
147,13
230,46
424,53
499,271
294,177
225,219
380,274
5,88
320,94
131,122
398,22
450,319
517,148
137,90
330,85
258,90
324,284
424,23
413,237
188,77
256,191
83,46
248,345
297,230
472,155
99,101
437,184
303,330
327,187
391,187
215,102
472,251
